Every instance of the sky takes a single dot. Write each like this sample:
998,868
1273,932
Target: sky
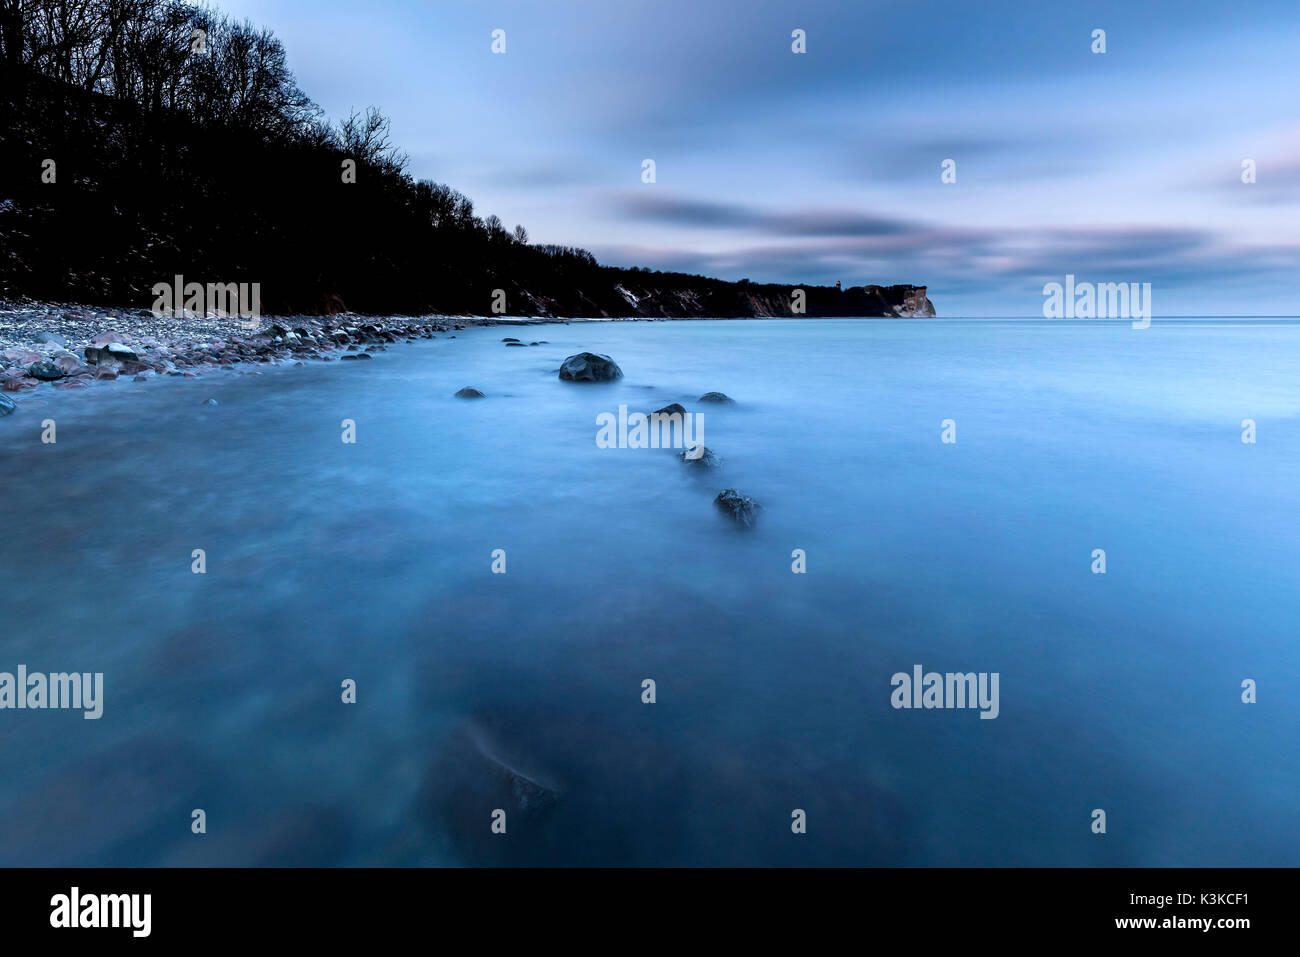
776,166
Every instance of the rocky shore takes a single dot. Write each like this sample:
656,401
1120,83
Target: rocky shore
70,346
73,347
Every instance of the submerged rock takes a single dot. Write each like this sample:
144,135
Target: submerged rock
719,397
741,507
7,405
468,393
671,409
516,343
507,339
589,367
583,784
471,779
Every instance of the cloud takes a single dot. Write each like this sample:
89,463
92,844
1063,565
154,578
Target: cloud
661,207
822,246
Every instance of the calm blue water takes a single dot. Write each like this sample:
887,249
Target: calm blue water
328,561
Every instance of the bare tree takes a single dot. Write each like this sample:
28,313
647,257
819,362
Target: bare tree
364,137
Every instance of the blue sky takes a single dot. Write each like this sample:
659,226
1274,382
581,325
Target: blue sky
1116,167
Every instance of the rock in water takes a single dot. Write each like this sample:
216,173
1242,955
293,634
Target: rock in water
7,405
704,458
516,343
589,367
738,505
468,393
583,785
672,409
471,774
509,339
45,371
719,397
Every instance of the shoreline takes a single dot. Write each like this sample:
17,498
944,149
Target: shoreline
73,347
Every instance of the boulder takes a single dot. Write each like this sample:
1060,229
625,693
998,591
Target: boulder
112,350
53,338
741,507
700,457
45,371
468,393
718,397
589,367
671,409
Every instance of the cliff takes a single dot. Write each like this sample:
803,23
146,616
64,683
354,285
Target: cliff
678,296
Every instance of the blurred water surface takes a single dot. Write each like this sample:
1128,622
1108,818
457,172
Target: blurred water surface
328,561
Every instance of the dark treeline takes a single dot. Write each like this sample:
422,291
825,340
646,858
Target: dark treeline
144,139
